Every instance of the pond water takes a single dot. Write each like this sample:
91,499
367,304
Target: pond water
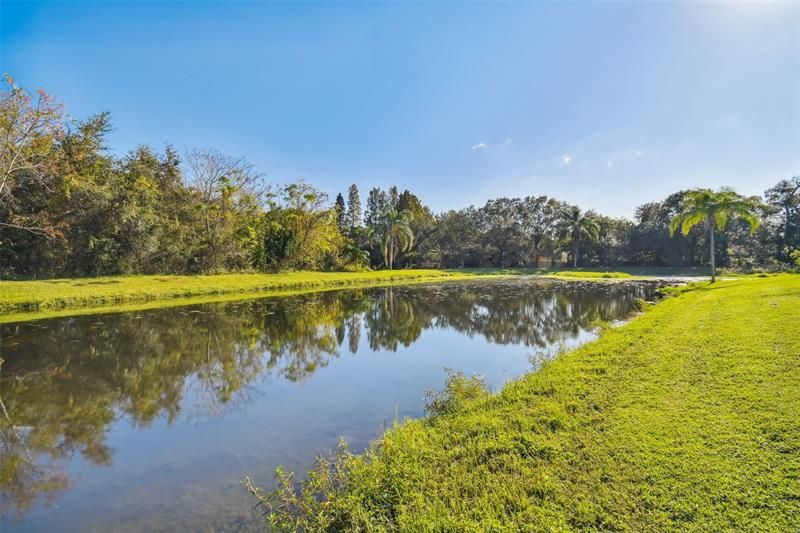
150,420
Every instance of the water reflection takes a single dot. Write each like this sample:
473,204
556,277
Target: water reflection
68,383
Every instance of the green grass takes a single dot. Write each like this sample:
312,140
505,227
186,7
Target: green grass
26,300
685,419
21,300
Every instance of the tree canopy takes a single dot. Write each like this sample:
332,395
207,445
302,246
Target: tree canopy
70,207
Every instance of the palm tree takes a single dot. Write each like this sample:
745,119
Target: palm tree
577,225
395,235
714,208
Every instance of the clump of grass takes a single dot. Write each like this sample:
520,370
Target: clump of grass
684,419
458,390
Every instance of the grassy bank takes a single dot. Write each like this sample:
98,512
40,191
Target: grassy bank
92,292
684,419
24,300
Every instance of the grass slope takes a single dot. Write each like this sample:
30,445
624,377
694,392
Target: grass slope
686,419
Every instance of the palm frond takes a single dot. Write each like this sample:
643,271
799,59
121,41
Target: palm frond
675,223
721,219
720,206
751,219
691,219
407,238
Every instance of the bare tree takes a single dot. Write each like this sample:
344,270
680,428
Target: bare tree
30,129
228,187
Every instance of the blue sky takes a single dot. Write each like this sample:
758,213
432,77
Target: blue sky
607,105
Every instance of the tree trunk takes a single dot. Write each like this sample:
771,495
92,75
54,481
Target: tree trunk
713,259
786,229
575,253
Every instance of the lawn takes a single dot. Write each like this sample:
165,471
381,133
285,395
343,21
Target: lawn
35,299
685,419
22,300
25,300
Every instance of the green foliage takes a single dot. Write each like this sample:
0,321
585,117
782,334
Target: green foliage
353,256
577,226
69,207
298,232
785,199
339,207
353,218
714,209
394,234
458,391
682,420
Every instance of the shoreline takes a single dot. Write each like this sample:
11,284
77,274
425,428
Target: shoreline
33,300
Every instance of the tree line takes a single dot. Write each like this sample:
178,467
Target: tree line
69,207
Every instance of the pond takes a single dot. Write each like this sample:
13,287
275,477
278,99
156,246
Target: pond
150,420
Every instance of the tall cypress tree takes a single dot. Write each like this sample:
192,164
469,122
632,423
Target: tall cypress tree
353,217
341,221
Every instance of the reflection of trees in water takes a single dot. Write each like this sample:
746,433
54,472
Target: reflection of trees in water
514,312
23,480
65,381
392,320
353,332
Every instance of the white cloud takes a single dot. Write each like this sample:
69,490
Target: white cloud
485,146
623,155
566,159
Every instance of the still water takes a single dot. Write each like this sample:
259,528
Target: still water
150,420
